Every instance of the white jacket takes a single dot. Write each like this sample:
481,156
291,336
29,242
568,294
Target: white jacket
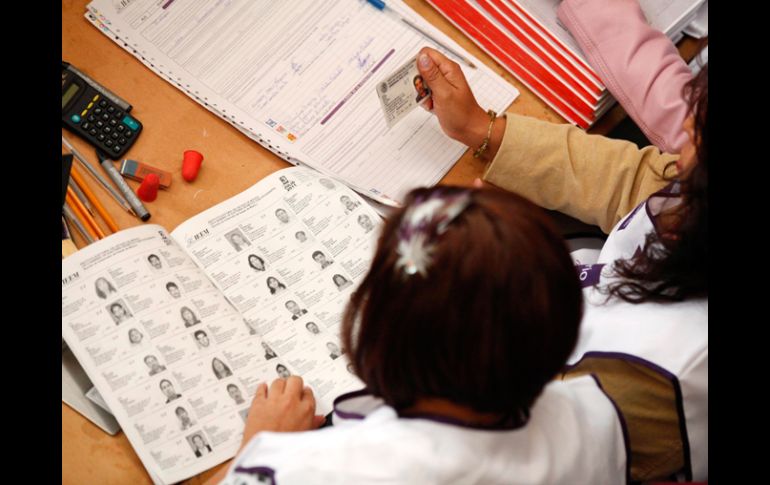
573,436
671,338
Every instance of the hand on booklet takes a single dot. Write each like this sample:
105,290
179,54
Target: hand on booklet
286,406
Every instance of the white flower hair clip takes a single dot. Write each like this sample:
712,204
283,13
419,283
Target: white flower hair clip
421,226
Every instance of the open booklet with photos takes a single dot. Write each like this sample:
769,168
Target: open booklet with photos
176,330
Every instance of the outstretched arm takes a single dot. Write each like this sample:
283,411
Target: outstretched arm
592,178
640,66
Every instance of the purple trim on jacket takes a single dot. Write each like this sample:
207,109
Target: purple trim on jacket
589,274
630,216
345,397
670,191
507,423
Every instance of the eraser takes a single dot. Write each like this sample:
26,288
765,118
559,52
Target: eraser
138,171
191,164
148,190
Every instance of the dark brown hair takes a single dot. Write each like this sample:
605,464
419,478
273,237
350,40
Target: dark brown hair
672,265
493,321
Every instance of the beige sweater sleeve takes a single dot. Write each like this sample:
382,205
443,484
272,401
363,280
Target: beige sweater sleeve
589,177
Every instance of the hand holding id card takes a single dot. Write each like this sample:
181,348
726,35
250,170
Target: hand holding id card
402,91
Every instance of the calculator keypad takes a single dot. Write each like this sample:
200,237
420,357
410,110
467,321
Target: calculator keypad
105,126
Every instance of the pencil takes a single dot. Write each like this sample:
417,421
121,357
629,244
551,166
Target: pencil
106,185
67,244
382,7
69,214
83,215
81,182
80,195
440,44
67,248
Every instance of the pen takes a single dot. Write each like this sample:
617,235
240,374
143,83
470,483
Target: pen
69,214
88,222
116,195
65,228
80,195
129,194
67,245
380,5
78,180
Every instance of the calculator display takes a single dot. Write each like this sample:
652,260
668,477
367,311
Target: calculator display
95,114
68,94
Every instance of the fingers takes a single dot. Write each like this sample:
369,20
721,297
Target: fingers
447,66
431,73
483,184
318,420
278,386
293,385
432,64
261,391
307,395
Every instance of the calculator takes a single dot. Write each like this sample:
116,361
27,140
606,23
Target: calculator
96,114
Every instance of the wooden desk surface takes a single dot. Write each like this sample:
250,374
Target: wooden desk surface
232,162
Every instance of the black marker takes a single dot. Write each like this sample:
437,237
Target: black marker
133,200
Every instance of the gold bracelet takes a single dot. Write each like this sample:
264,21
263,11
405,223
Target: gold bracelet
484,144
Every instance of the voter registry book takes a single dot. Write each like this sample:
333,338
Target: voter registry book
301,78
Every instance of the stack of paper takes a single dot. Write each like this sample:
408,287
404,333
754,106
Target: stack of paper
525,37
300,78
699,27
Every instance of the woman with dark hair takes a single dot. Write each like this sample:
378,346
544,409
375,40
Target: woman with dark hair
274,285
256,263
104,288
341,282
645,331
220,368
188,317
449,377
238,241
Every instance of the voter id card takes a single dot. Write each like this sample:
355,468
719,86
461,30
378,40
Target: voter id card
402,91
